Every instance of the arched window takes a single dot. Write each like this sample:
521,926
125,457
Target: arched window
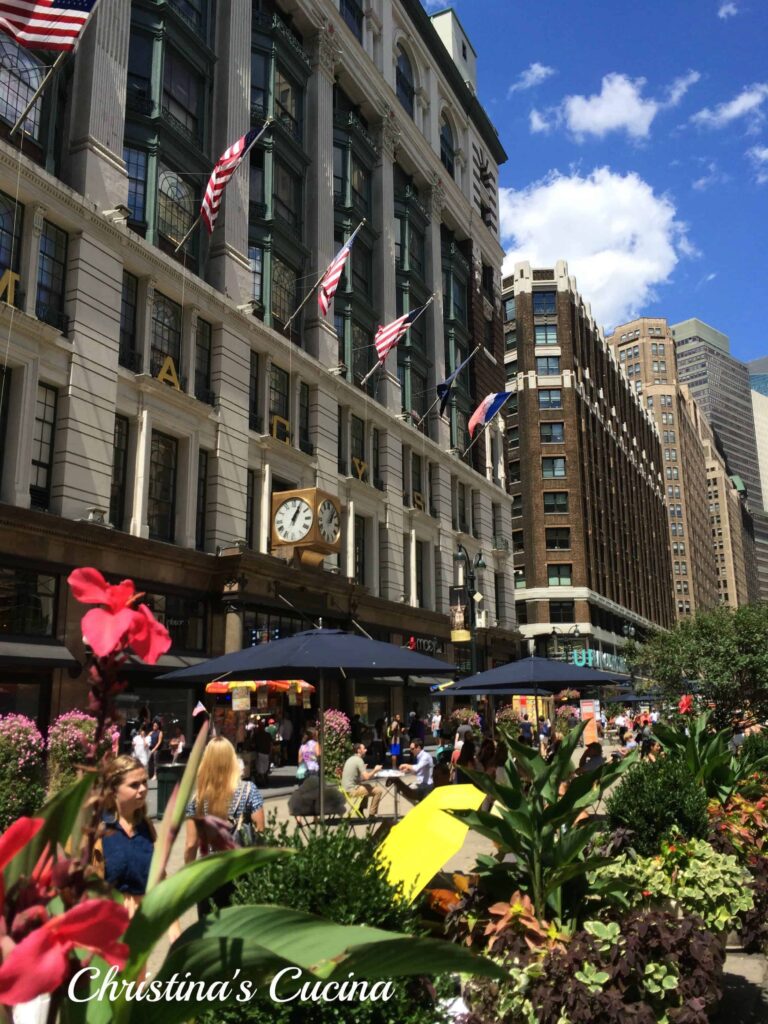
20,76
404,80
175,205
447,153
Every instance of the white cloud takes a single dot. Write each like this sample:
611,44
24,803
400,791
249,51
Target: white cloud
712,176
620,239
619,106
537,122
747,104
727,11
706,280
533,75
759,157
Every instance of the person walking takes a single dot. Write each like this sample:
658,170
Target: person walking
394,735
220,793
140,745
284,735
309,754
123,852
437,720
466,759
176,744
155,743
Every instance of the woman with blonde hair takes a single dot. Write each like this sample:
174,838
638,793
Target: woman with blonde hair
221,793
124,850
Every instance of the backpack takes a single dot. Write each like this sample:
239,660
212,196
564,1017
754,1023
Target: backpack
241,828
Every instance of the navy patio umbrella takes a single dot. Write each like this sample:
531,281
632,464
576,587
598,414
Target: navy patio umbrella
316,655
534,673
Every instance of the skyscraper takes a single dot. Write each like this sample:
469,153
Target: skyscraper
720,385
758,375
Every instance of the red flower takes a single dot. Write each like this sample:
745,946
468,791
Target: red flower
685,706
646,893
40,962
118,625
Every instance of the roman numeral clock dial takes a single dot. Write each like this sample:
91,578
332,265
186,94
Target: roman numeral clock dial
328,521
293,520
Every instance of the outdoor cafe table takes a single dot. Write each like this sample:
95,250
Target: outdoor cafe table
389,776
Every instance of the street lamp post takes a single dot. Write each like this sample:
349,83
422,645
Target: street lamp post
470,567
574,631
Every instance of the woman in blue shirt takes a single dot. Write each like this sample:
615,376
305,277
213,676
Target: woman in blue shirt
124,851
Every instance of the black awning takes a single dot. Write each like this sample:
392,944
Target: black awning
31,655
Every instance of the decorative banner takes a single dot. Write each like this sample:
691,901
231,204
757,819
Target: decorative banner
459,608
241,699
589,711
292,698
361,707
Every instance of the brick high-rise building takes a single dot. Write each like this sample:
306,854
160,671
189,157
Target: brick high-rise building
151,403
645,352
590,534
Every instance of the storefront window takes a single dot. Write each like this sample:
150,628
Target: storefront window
183,617
27,603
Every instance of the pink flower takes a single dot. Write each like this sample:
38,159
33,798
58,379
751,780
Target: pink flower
685,706
40,962
119,625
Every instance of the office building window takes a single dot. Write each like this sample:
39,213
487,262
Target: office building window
166,333
128,356
11,218
20,76
360,185
546,334
513,475
256,208
552,433
254,420
510,341
404,81
119,474
27,603
51,273
359,567
552,468
5,389
559,575
517,505
544,303
259,83
547,366
176,207
279,383
284,299
352,13
256,261
521,612
550,398
447,147
42,447
250,499
555,502
558,538
561,611
510,312
288,102
357,445
136,167
203,346
513,436
518,540
420,565
305,442
519,573
161,504
510,371
182,95
286,196
202,499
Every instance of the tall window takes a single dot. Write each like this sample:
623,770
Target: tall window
357,445
182,95
203,346
420,564
544,303
139,92
119,474
256,260
176,208
284,298
352,13
447,154
404,81
42,446
128,356
250,499
11,217
136,166
286,196
305,442
161,506
360,550
202,499
50,276
288,104
166,333
360,183
20,76
5,394
27,603
279,403
254,420
259,79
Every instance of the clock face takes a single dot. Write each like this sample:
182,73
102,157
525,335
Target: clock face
293,520
328,521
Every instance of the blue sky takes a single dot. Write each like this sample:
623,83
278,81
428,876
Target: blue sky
638,143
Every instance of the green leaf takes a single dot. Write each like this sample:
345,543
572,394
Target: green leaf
261,940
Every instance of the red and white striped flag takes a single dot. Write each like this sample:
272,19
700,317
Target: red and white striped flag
332,276
387,337
226,166
45,24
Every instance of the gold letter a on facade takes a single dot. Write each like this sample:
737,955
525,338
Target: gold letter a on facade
167,373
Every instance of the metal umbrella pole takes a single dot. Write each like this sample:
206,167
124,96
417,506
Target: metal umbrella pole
321,735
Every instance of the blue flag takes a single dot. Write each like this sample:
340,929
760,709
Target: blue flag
444,388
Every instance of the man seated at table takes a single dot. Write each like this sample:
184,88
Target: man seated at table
355,778
422,768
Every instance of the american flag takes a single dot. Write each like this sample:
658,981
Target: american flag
226,166
387,337
45,24
332,276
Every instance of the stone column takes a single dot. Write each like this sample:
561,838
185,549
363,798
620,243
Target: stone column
29,256
17,454
93,164
265,512
319,335
139,525
189,316
186,490
233,628
413,598
145,301
227,480
349,540
228,266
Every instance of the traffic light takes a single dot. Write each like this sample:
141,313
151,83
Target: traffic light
411,643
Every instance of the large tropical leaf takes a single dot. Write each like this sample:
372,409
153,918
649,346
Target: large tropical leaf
258,941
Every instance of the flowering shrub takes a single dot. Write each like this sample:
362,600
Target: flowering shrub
508,714
567,695
338,745
464,716
566,718
21,768
70,744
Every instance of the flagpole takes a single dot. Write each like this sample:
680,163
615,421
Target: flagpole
380,362
471,355
486,425
53,68
317,283
242,157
